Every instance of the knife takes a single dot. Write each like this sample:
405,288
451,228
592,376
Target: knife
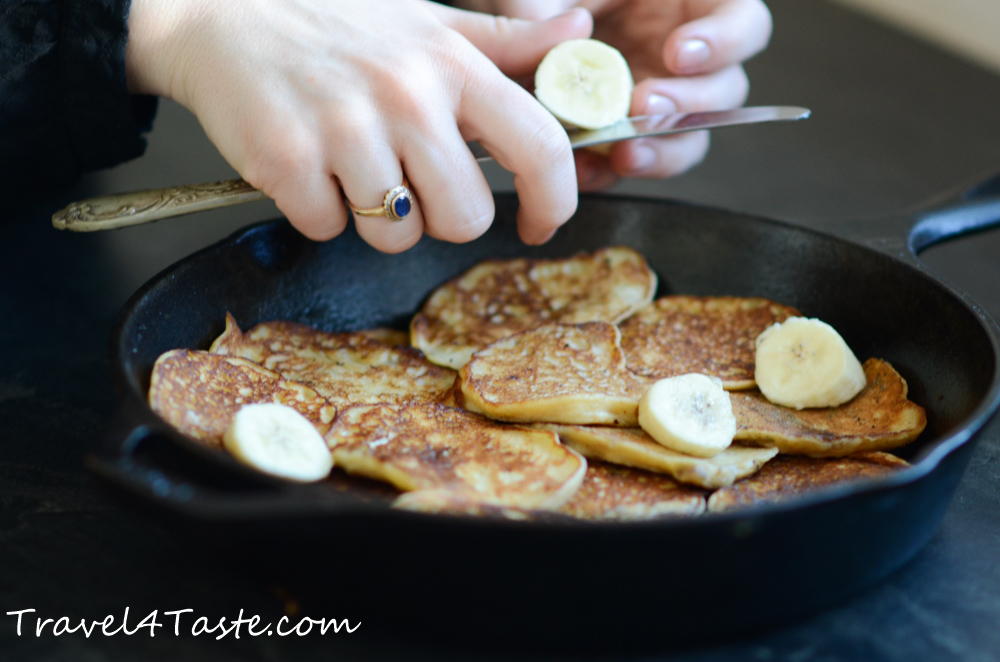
124,209
648,126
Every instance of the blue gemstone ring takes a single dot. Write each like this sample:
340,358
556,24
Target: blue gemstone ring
396,205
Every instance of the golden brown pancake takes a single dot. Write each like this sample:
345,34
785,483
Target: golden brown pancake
387,336
498,298
786,477
611,492
444,502
556,373
453,396
878,418
434,447
199,393
346,368
608,492
713,336
634,448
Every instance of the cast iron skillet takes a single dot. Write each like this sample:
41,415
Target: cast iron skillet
568,582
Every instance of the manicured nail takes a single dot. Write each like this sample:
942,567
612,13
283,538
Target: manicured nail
658,104
692,54
643,157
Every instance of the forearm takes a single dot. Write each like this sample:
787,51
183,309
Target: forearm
64,105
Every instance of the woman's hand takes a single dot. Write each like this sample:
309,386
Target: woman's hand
317,102
685,56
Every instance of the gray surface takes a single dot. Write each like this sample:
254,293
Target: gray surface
894,122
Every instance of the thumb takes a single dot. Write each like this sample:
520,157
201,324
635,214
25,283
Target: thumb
516,46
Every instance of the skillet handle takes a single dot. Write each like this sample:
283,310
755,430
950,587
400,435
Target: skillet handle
903,235
974,209
141,460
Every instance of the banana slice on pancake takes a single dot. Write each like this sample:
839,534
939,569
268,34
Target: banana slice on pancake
633,447
557,373
498,298
712,336
787,477
200,393
363,367
617,493
688,413
434,447
804,362
278,440
879,418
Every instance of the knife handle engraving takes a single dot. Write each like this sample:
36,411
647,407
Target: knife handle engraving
122,210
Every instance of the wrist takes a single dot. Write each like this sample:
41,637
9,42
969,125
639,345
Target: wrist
152,56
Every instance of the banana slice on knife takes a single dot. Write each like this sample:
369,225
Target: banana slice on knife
585,83
278,440
803,362
689,413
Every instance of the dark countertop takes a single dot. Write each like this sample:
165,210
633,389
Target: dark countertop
895,122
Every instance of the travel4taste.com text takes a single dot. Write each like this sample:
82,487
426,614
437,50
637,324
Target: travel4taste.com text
180,621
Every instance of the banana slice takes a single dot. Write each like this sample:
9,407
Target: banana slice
689,413
278,440
803,362
585,83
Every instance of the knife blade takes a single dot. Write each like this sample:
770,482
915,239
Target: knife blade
647,126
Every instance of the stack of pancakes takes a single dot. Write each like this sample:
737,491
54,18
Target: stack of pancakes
516,393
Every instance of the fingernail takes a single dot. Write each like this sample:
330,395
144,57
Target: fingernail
643,157
692,54
658,104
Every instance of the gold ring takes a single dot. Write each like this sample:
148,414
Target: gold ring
396,205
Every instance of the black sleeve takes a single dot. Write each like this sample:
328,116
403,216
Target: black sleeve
64,106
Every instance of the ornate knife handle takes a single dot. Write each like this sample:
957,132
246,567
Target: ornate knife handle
125,209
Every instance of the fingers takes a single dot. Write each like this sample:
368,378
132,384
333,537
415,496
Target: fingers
312,203
593,171
722,33
516,46
417,124
723,89
672,155
508,122
294,174
522,136
645,157
365,186
705,53
659,157
455,198
527,140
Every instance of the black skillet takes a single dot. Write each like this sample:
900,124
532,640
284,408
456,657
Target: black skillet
567,582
